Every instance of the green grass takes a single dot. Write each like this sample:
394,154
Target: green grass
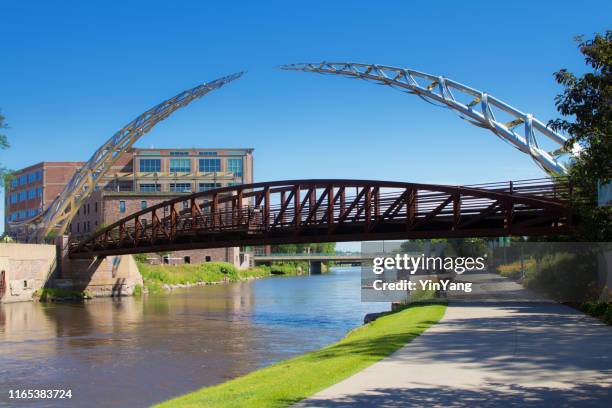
54,295
155,276
292,380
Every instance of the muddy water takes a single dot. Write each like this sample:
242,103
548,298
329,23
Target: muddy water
137,351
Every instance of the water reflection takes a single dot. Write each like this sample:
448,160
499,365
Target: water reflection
133,352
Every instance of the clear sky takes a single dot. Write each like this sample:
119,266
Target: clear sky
74,72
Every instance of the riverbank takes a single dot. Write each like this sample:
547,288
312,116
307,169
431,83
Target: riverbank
60,295
290,381
166,277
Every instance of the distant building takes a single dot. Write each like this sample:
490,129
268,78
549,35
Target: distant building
33,188
141,178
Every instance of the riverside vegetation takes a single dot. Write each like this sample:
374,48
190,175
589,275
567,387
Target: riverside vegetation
290,381
158,277
563,276
58,295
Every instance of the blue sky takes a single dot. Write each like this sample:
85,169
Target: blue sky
72,73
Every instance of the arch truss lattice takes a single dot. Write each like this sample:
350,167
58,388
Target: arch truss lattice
477,107
57,217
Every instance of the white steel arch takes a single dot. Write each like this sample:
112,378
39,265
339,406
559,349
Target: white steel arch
480,110
62,210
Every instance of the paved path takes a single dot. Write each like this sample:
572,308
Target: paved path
506,354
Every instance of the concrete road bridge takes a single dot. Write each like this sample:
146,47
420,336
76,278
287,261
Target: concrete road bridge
315,261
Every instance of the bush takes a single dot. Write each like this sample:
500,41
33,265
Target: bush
513,269
142,258
600,310
564,276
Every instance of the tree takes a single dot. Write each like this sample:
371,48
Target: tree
586,104
4,144
316,248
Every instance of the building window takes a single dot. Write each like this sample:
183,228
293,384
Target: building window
207,153
39,193
31,178
180,165
208,186
23,180
143,204
125,186
31,193
150,165
179,153
235,166
14,182
185,205
22,195
121,206
209,165
14,198
150,188
39,175
180,187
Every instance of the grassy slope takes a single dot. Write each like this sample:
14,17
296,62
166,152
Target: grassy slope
292,380
155,276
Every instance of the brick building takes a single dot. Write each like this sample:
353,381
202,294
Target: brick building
141,178
33,188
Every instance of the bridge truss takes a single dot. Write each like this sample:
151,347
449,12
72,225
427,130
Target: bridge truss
334,210
57,217
477,107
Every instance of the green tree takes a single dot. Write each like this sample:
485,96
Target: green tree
316,248
586,104
4,144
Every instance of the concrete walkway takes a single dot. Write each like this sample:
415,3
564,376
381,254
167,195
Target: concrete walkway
502,353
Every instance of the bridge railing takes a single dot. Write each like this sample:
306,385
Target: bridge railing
327,206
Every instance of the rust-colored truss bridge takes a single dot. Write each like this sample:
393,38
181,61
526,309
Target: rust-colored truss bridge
335,210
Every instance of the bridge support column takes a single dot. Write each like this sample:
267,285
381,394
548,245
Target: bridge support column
316,267
100,276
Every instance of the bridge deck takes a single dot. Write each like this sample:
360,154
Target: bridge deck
333,211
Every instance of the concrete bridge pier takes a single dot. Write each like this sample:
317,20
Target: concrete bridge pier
99,276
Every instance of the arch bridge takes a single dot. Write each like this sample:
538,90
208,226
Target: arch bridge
335,210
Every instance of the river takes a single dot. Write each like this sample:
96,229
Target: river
138,351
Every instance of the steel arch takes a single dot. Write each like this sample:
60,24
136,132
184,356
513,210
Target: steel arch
480,111
59,214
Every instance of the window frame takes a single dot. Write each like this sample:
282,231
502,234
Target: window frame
204,165
179,168
149,164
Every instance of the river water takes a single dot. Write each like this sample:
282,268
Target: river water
138,351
